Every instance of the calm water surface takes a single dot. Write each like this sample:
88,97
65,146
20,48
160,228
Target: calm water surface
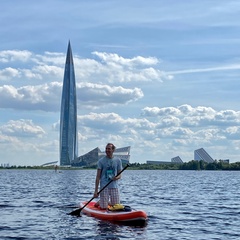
180,205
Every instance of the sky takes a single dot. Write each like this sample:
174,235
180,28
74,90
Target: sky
160,76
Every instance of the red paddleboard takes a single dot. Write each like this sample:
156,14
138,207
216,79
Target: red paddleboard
129,216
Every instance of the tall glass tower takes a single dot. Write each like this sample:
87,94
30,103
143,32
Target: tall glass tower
68,118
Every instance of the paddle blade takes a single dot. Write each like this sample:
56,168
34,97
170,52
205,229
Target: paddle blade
76,212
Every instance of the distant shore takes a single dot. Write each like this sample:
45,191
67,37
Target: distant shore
192,165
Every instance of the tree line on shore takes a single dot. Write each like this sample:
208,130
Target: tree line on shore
191,165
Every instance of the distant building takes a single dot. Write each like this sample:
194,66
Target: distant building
157,162
224,160
68,143
90,159
5,165
176,160
68,119
49,164
201,154
122,153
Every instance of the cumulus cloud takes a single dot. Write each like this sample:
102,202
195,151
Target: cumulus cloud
52,58
44,97
95,126
172,124
9,73
174,132
176,129
109,58
232,132
108,68
15,55
22,128
47,97
165,133
190,116
97,94
48,70
98,81
40,67
156,111
108,80
5,139
134,69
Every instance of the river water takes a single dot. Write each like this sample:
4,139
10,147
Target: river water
180,205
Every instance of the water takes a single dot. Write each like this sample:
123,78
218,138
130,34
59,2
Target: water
180,205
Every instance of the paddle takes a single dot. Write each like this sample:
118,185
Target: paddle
78,211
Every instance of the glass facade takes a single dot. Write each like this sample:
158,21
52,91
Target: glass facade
91,158
176,160
68,116
201,154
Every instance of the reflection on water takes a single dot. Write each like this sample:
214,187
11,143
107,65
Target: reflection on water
107,231
180,205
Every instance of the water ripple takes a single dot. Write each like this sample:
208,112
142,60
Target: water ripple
180,205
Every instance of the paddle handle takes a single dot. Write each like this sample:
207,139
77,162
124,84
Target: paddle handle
106,185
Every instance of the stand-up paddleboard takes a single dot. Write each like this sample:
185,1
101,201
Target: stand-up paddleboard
126,216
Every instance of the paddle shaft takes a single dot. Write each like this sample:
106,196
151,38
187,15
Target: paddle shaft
77,212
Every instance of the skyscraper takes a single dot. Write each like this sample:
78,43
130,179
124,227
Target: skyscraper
68,116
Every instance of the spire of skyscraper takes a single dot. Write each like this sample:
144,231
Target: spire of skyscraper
68,116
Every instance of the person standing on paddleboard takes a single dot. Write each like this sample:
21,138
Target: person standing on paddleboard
108,167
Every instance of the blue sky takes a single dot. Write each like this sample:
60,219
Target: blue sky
160,76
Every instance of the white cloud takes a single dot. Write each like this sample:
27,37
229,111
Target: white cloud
5,139
233,133
15,56
190,116
113,67
9,73
95,95
42,97
110,67
47,97
47,70
156,111
22,128
109,58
